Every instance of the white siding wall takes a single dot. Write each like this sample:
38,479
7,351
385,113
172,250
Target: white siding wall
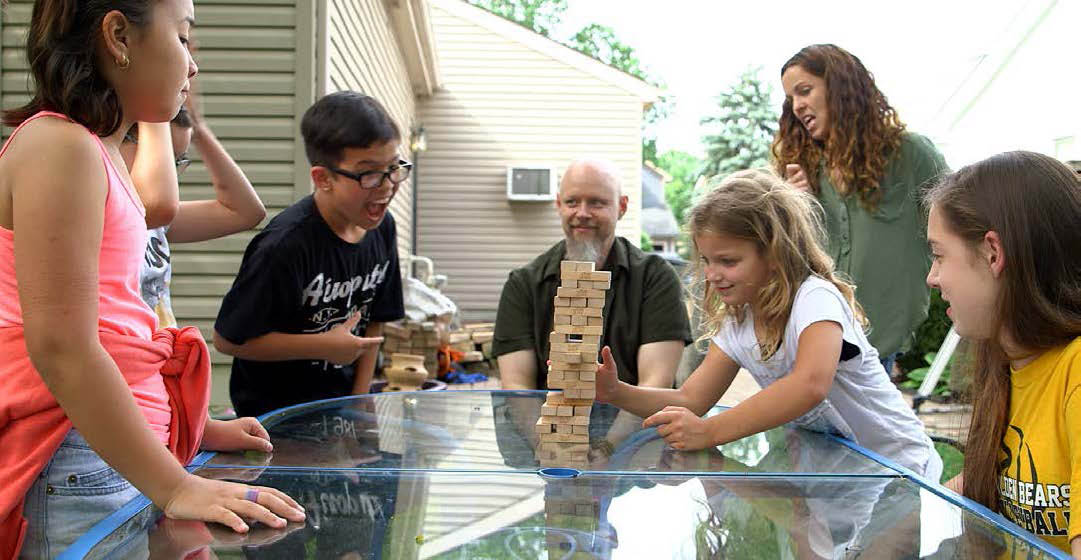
503,103
363,55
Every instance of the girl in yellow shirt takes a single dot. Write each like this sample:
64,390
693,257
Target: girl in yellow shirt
1006,246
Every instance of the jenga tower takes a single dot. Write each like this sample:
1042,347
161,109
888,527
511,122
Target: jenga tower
563,427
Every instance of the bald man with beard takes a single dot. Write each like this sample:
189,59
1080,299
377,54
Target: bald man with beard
645,322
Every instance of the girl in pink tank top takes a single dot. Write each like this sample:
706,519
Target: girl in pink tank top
80,347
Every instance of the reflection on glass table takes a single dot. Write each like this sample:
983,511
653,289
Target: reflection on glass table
451,475
494,431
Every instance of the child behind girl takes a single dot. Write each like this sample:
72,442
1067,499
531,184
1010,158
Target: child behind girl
91,397
1006,242
775,308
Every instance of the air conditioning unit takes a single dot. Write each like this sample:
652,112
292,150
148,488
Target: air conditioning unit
531,183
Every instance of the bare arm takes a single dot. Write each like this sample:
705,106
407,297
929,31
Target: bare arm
791,396
518,370
1075,548
365,365
59,229
699,393
153,174
236,206
657,363
337,345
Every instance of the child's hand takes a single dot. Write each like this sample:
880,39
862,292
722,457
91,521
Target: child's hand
344,347
681,428
230,504
241,434
607,376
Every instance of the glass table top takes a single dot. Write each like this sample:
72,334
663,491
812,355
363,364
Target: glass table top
452,474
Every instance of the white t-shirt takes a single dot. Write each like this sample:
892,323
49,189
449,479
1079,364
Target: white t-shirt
862,404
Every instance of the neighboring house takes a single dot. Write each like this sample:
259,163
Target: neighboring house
260,66
511,97
657,218
1017,94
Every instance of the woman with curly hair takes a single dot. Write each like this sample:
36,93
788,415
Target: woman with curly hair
840,140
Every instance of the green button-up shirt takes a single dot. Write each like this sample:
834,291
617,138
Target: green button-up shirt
884,252
644,305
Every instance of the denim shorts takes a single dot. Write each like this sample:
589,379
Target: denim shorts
74,491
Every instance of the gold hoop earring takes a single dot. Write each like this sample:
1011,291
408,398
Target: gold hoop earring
124,62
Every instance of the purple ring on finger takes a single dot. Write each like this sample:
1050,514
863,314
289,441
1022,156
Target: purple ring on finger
252,495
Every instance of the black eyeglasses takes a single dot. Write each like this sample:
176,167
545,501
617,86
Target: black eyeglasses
182,163
372,179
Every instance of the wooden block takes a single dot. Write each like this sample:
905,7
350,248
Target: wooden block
565,357
542,429
587,375
568,267
548,410
591,321
580,420
595,302
591,339
565,411
579,293
556,383
597,276
564,428
556,398
602,286
397,330
481,337
567,283
571,393
560,302
583,330
459,336
570,375
563,319
584,266
472,356
555,375
580,429
591,311
580,302
587,393
579,320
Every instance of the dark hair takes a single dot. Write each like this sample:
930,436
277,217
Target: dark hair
1033,203
344,119
865,130
60,47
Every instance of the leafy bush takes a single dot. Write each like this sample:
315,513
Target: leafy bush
916,376
929,335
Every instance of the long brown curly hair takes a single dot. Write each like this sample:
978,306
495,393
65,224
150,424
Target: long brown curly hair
865,130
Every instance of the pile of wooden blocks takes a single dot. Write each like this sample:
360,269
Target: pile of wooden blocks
411,337
563,427
427,337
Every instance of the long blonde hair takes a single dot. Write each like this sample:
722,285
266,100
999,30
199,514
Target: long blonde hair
785,225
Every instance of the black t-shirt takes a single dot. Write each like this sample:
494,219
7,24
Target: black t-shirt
299,277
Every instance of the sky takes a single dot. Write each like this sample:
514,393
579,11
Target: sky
930,58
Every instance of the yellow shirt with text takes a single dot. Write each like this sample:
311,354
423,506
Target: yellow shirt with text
1041,453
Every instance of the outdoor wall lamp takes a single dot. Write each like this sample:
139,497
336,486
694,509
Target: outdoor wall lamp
418,141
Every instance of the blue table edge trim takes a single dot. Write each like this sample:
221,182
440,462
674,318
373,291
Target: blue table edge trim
958,500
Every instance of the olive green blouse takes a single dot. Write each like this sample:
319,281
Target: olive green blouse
884,251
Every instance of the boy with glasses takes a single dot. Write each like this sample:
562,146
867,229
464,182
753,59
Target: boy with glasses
304,317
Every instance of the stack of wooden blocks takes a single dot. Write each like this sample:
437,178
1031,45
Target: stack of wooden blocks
563,427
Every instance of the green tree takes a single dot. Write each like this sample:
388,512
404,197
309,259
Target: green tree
684,169
743,128
539,15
